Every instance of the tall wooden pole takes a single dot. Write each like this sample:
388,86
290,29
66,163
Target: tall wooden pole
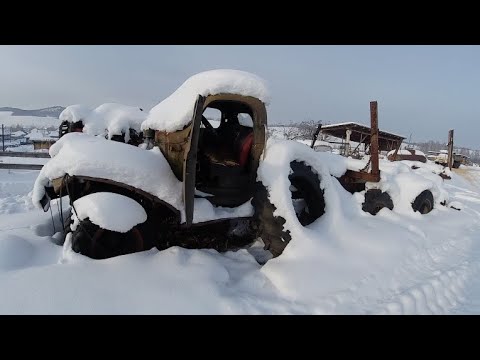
450,149
374,139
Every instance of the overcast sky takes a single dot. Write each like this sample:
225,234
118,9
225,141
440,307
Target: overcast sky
421,90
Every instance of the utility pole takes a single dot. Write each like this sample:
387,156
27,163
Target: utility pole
3,140
450,149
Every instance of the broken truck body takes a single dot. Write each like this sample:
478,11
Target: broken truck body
200,186
116,122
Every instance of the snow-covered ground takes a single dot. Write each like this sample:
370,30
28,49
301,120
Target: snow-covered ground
348,262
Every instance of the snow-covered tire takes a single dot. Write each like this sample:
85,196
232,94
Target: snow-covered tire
90,240
270,228
423,203
376,200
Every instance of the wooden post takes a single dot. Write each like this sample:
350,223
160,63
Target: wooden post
450,149
347,141
374,139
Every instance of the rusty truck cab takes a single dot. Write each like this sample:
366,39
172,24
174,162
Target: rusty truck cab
219,164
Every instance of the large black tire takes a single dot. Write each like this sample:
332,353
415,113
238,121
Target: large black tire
305,187
423,203
90,240
376,200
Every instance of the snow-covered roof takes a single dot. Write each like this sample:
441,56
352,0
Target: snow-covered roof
18,133
360,127
176,111
38,135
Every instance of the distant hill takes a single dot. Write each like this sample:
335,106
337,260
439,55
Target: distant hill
53,111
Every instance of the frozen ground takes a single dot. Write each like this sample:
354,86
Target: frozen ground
349,262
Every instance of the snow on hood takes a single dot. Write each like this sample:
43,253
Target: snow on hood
176,111
107,119
82,154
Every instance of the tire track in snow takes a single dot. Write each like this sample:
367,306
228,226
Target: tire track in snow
454,287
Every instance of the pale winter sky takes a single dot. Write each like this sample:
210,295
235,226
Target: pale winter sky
421,90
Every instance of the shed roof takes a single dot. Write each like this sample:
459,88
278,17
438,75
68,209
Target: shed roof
361,133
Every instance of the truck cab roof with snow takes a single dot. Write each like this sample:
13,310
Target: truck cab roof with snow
176,111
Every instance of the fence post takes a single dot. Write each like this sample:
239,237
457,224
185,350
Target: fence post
450,149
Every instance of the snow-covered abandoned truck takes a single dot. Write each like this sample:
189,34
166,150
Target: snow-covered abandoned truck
114,121
193,184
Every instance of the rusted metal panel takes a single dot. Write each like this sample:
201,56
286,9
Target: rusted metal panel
173,147
362,176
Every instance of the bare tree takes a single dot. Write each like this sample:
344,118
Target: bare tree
300,131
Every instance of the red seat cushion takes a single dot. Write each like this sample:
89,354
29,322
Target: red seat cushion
245,149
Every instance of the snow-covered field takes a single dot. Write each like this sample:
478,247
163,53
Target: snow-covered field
397,262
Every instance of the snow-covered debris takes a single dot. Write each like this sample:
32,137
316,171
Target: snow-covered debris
176,111
82,154
107,119
114,119
74,113
109,211
406,152
404,183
